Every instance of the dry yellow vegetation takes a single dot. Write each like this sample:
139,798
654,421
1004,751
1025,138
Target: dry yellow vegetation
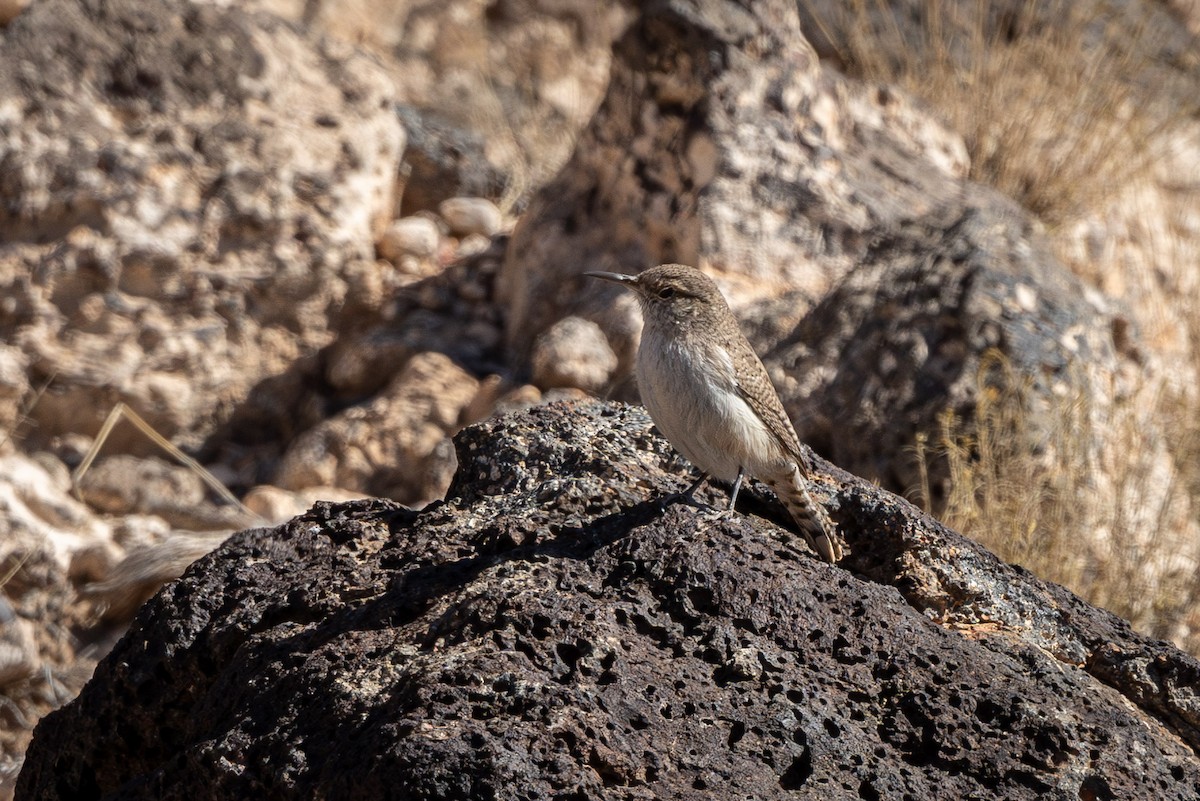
1053,100
1053,498
1060,106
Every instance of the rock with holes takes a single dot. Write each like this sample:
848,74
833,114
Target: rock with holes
552,631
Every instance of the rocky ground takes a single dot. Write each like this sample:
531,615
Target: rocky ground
308,243
552,631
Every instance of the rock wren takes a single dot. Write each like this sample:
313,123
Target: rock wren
709,394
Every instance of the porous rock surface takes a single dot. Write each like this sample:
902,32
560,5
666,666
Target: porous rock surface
551,631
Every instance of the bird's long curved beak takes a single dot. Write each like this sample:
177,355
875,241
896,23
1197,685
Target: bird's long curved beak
617,278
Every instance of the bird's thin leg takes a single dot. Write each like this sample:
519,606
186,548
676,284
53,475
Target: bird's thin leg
686,495
737,486
690,491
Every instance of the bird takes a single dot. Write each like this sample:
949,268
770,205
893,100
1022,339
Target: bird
709,394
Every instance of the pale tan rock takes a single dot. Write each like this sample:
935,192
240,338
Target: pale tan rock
276,505
10,9
417,237
39,516
533,72
1140,247
527,395
573,353
481,406
360,366
472,245
395,445
58,543
18,647
125,484
520,397
199,251
471,215
768,169
14,387
369,287
1189,12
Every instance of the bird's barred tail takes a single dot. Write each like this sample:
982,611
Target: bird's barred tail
814,522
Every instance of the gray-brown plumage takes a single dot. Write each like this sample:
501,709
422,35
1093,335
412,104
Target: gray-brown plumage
710,395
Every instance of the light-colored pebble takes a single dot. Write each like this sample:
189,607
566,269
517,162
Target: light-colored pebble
18,649
411,236
573,352
277,505
471,215
11,8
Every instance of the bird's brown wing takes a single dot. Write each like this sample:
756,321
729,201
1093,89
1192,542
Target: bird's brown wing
756,389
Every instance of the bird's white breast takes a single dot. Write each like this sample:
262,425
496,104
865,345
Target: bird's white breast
690,389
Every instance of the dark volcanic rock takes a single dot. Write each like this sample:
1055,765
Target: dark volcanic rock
909,334
549,632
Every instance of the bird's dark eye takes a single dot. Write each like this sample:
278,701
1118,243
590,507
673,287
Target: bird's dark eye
666,293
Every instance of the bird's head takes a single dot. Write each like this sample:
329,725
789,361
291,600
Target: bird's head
671,292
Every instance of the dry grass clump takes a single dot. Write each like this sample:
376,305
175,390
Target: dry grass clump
1051,98
1078,494
1063,106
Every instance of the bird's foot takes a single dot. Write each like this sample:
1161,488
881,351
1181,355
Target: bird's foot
687,496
